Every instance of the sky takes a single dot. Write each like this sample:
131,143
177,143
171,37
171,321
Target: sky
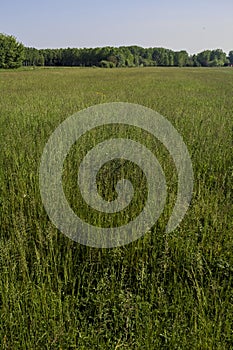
178,25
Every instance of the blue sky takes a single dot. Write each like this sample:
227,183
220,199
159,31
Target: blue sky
189,25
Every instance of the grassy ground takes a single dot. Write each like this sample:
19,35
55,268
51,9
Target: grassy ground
164,291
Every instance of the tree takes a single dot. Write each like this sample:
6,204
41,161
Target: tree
171,57
218,58
33,57
204,58
181,58
123,56
11,52
212,58
231,57
195,61
129,53
106,64
159,56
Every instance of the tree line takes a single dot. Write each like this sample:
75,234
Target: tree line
14,54
125,56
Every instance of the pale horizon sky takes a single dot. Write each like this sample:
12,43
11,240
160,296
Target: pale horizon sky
178,25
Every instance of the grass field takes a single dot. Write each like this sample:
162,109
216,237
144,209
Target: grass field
163,291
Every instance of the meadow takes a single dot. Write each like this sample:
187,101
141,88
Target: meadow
163,291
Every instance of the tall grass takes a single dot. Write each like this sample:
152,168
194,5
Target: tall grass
163,291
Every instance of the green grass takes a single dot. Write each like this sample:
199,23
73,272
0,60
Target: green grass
164,291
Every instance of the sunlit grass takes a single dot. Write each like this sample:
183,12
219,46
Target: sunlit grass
164,291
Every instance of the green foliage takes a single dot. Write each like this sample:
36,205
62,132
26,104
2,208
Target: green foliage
12,55
204,58
33,57
231,57
107,64
181,59
124,56
212,58
11,52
